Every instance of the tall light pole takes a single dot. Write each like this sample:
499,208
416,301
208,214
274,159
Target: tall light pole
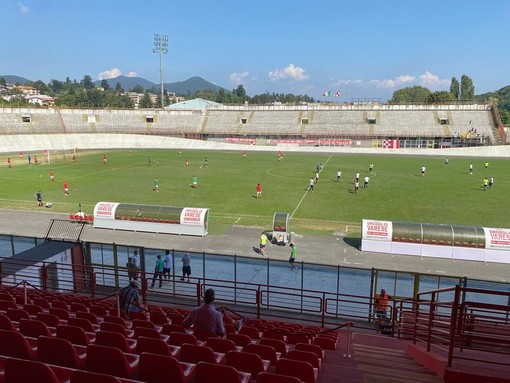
161,47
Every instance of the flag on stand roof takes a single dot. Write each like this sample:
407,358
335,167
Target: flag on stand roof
327,94
391,144
337,94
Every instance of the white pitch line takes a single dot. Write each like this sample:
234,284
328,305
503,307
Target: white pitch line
306,192
237,220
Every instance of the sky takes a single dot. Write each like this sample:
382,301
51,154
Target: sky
360,49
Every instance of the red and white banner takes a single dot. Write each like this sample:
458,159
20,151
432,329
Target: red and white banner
497,238
193,216
391,144
105,210
377,230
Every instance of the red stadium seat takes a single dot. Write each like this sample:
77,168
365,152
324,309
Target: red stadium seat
278,345
218,373
317,350
115,327
268,377
112,361
149,333
252,332
247,362
33,309
325,343
264,351
60,352
116,319
6,323
49,319
155,346
83,323
114,339
172,327
221,345
14,344
60,312
305,356
90,316
301,370
179,338
239,339
92,377
75,335
192,353
34,328
155,368
17,314
24,371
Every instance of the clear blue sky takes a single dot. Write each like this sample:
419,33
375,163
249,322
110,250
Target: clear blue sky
365,49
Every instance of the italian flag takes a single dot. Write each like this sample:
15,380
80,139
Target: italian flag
327,94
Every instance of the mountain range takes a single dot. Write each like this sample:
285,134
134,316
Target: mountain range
189,86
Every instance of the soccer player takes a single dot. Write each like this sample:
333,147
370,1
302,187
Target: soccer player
423,170
311,185
149,160
485,183
9,163
446,161
194,182
205,162
365,185
36,161
356,177
317,177
491,182
486,164
52,176
471,168
356,186
338,175
371,168
186,162
104,158
38,196
244,153
259,191
66,188
156,185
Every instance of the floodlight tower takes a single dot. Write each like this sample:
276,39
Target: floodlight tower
161,47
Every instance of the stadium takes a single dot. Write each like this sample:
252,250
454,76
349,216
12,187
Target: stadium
447,319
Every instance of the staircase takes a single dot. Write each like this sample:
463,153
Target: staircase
374,359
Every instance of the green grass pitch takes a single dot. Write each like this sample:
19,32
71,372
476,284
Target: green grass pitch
397,190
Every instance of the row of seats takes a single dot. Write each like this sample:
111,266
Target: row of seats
147,367
258,347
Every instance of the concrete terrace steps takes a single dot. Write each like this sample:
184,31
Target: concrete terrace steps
374,359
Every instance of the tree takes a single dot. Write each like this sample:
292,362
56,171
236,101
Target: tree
455,88
87,82
2,81
118,88
410,94
138,89
467,89
440,97
56,86
105,84
145,101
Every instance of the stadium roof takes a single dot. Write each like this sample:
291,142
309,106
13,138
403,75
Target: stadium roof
197,104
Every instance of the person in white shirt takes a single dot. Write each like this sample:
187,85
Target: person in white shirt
338,175
311,185
365,185
168,265
423,170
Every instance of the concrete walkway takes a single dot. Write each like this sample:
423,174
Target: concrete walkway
242,241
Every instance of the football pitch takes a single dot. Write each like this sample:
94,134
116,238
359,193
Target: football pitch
397,190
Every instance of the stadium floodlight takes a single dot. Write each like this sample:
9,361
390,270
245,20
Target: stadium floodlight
161,47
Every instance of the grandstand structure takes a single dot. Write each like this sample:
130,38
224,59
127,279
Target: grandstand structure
413,126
